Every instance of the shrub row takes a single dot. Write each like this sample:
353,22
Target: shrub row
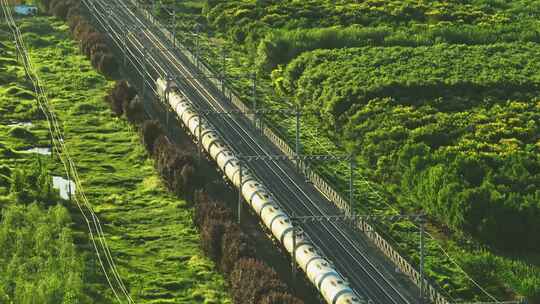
222,239
175,166
446,77
279,47
251,280
93,43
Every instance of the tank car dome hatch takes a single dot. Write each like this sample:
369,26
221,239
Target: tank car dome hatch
353,300
309,249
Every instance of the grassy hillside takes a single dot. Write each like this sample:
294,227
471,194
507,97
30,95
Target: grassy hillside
456,139
460,136
438,100
149,231
281,30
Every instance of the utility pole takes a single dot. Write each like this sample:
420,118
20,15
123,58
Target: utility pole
240,193
297,137
199,140
254,90
69,181
69,186
126,33
351,185
168,111
109,13
421,267
52,142
172,26
293,256
144,71
223,67
254,97
152,10
16,50
197,51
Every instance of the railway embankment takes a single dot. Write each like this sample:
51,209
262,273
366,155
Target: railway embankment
149,230
239,255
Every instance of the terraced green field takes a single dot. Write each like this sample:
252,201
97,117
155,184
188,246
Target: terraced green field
438,100
150,232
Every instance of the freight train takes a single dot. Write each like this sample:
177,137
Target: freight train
320,271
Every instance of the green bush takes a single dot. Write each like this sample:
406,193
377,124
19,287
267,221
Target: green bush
37,176
436,121
416,77
176,167
38,261
279,47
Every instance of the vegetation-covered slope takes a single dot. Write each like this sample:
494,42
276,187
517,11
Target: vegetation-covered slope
149,231
439,100
242,17
456,127
282,30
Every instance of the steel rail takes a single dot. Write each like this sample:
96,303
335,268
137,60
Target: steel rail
287,186
208,96
225,136
321,240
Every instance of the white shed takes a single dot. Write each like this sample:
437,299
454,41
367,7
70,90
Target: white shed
26,10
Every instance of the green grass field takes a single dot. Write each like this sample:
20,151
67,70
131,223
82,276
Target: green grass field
150,232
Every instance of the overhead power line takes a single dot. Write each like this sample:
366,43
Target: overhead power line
57,139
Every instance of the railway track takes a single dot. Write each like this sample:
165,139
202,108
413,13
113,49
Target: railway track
367,271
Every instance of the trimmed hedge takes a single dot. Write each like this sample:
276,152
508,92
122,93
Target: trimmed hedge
176,167
150,131
93,43
251,280
121,99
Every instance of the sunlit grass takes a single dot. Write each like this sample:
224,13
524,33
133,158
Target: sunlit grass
149,231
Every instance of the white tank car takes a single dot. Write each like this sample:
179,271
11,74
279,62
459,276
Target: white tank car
319,271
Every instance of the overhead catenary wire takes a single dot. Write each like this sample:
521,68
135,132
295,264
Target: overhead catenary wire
204,91
67,166
67,162
369,185
378,196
